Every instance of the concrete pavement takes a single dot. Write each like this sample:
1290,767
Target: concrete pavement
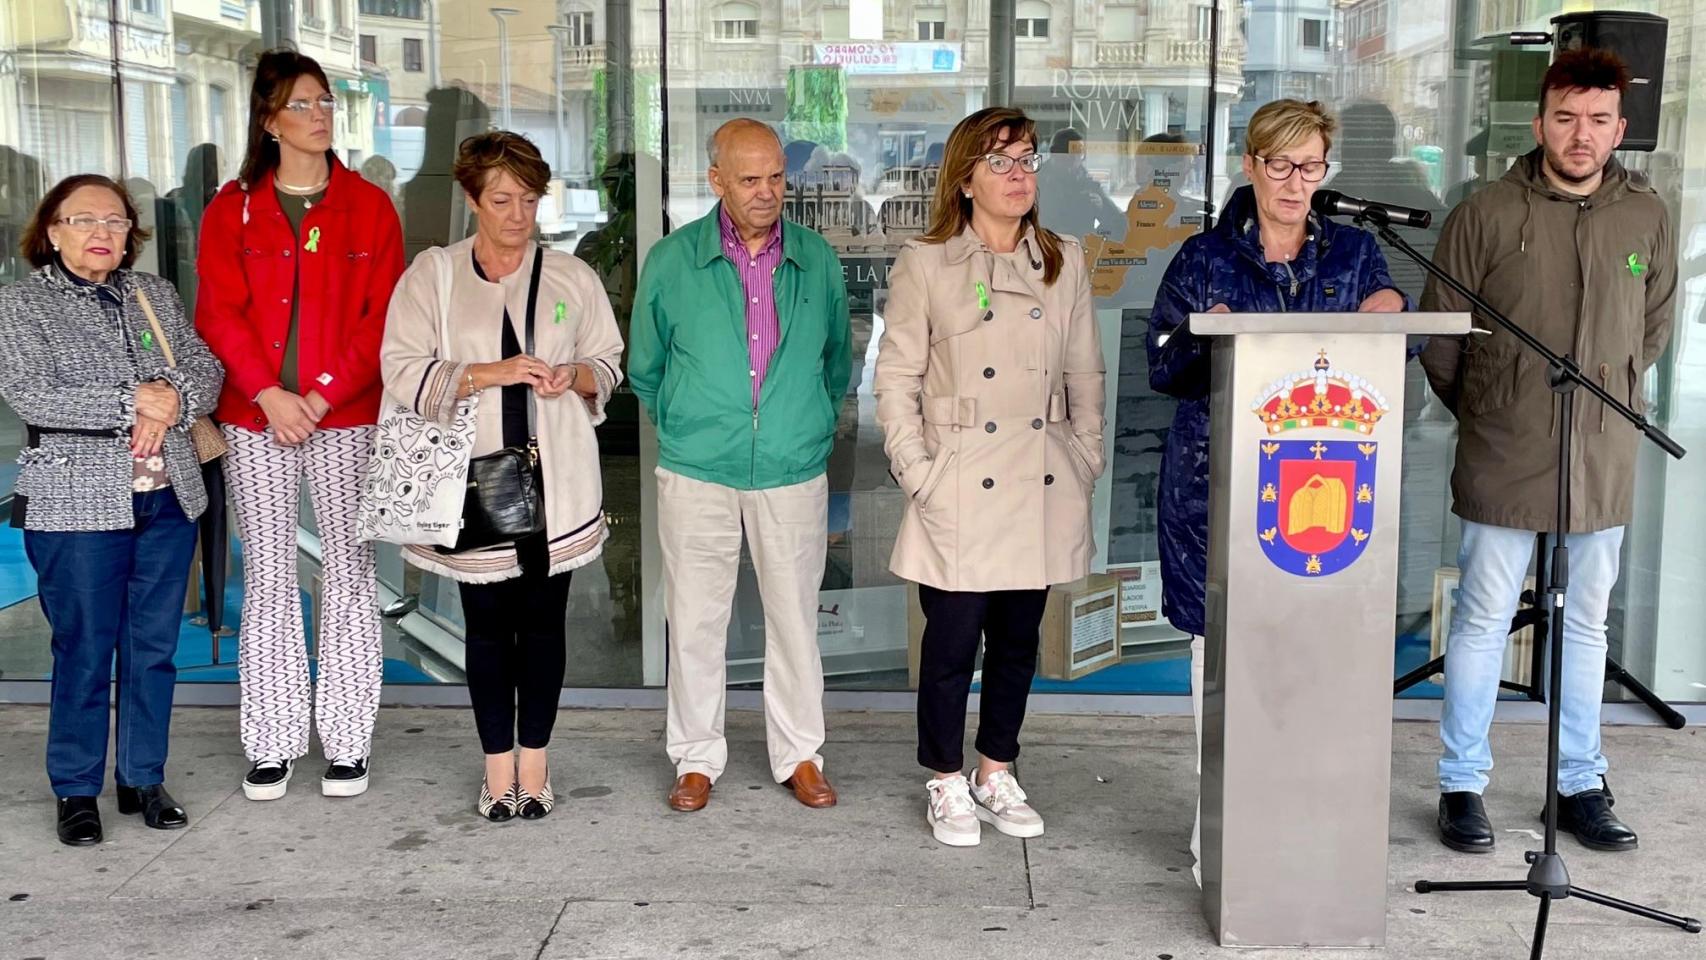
410,871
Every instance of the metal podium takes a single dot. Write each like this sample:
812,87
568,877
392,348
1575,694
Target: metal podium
1306,435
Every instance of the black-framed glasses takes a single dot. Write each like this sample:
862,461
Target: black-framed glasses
1279,168
1001,162
88,224
327,103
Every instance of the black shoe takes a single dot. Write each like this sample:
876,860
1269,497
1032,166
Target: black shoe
159,811
267,779
79,821
1463,823
1588,815
345,778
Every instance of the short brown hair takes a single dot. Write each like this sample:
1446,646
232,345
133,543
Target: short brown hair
1287,123
1585,68
483,153
38,249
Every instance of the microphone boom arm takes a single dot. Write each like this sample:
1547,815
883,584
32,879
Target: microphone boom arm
1566,373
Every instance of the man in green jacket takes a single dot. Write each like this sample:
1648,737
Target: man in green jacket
739,350
1580,254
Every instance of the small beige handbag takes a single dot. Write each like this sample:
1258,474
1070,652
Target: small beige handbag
204,433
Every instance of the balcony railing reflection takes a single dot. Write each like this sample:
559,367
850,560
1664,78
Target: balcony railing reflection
1166,52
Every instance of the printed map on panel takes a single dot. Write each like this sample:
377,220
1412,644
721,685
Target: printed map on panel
1126,267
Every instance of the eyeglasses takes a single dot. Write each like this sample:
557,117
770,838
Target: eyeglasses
1279,168
1002,162
88,224
327,103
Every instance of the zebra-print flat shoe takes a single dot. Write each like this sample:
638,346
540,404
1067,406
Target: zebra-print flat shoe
498,809
531,807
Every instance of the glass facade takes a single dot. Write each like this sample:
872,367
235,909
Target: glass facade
1141,107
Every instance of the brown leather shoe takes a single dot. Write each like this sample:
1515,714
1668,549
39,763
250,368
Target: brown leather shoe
809,786
692,791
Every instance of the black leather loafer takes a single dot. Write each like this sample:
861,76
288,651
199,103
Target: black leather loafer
1463,823
1588,815
79,821
159,811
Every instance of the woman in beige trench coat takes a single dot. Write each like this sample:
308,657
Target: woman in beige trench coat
989,388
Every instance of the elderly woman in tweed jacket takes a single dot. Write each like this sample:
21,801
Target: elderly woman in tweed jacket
109,488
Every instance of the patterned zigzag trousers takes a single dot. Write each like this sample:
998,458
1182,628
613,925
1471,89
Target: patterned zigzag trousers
272,660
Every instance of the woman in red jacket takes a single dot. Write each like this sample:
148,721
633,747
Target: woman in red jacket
297,260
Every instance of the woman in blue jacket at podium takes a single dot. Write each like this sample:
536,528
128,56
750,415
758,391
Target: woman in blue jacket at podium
1267,254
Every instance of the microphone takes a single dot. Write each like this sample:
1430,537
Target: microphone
1331,203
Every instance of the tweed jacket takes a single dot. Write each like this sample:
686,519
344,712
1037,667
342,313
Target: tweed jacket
65,365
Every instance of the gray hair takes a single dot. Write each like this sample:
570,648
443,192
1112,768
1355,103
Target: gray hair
713,144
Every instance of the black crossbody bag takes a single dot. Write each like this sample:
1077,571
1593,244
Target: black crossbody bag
506,493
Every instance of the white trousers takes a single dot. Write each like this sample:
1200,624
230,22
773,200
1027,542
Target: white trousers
700,528
265,479
1196,713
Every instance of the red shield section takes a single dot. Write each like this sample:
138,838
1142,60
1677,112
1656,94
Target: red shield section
1315,503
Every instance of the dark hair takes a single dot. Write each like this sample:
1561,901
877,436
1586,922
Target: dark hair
500,150
1063,141
974,137
275,74
1585,68
38,249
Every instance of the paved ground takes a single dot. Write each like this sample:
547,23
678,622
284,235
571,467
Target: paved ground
409,871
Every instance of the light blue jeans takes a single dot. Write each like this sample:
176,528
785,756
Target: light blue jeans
1495,562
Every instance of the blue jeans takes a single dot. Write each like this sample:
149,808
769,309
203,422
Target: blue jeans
107,591
1494,563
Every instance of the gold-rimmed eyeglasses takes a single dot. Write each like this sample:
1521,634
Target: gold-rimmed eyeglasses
88,224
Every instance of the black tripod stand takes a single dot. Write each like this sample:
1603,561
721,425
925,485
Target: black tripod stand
1547,878
1534,614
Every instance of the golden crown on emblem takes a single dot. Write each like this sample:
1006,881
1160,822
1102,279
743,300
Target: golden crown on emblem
1322,397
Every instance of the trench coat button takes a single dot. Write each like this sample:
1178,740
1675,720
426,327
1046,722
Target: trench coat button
989,373
287,253
988,484
277,345
989,427
1048,479
1036,313
1037,424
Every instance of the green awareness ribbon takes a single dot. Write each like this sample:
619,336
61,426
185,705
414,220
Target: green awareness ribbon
313,244
982,296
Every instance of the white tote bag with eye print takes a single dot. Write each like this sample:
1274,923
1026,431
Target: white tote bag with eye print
418,475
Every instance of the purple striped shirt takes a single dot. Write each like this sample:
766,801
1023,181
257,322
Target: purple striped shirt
757,280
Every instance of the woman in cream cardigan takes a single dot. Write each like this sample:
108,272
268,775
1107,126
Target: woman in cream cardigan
514,595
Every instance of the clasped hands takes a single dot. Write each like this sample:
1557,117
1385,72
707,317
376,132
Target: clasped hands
546,380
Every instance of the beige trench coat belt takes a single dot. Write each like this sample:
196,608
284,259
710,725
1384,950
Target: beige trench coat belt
962,411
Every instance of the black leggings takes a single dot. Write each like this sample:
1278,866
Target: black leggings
515,641
1007,621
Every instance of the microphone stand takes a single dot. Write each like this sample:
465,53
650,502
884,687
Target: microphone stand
1547,877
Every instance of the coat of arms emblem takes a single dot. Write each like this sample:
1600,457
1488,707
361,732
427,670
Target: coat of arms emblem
1315,498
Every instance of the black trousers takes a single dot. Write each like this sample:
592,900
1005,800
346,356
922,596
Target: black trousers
1007,621
516,642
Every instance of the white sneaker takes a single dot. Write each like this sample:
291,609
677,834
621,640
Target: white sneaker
1001,804
951,813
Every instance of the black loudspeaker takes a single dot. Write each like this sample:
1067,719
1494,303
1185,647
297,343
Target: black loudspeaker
1639,38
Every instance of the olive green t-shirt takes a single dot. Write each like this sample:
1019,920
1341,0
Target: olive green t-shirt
295,210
